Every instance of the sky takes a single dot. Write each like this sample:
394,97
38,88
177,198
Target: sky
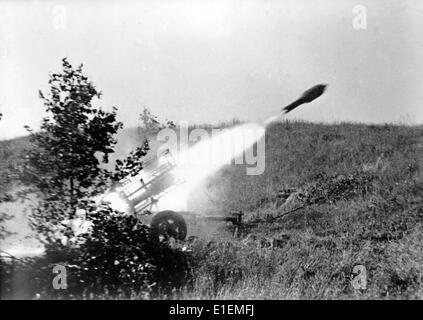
205,61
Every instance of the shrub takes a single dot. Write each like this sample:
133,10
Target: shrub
118,258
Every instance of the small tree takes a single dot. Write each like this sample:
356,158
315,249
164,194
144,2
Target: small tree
150,124
63,165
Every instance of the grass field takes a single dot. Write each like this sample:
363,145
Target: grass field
355,193
371,214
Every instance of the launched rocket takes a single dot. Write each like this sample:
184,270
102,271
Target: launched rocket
308,96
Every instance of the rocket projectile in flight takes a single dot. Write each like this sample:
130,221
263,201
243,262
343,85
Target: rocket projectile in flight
308,96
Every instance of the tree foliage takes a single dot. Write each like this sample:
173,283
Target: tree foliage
150,124
119,257
133,163
63,164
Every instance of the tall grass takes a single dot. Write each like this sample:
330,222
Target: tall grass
377,224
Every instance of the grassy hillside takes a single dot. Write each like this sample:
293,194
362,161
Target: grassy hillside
359,190
331,197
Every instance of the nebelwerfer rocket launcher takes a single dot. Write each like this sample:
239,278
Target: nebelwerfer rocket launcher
140,195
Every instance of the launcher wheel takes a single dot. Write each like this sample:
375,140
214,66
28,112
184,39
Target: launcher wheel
169,223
